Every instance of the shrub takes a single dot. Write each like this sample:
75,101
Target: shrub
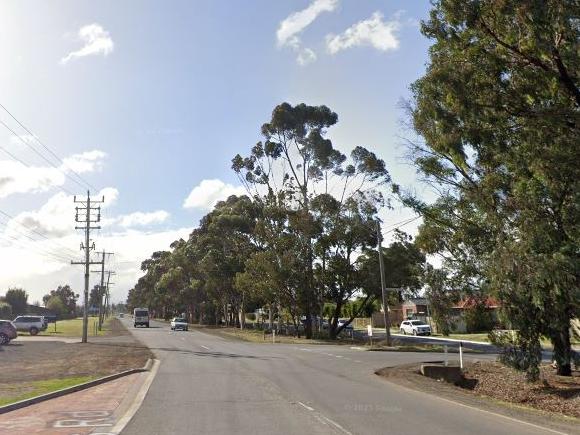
518,352
5,311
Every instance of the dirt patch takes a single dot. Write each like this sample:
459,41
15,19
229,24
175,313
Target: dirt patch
30,361
484,380
552,393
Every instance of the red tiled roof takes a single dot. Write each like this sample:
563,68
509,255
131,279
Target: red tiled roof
490,302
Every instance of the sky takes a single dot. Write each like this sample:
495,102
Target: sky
146,103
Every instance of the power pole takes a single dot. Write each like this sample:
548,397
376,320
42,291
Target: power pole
383,290
102,286
108,295
88,220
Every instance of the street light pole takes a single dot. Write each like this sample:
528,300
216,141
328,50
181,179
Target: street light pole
383,290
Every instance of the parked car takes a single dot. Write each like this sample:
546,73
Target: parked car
31,324
7,332
415,327
179,323
342,322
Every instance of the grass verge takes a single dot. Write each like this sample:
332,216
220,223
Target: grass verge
26,390
74,328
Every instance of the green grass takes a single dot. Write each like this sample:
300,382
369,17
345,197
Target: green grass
73,328
38,388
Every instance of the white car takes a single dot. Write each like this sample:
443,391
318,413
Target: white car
30,324
179,323
415,327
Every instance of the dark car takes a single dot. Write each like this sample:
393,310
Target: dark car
7,332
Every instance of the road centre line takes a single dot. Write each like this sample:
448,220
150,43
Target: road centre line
306,406
323,419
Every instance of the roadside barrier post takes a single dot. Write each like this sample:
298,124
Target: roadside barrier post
461,355
446,356
273,336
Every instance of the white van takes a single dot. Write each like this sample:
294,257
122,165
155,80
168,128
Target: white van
141,317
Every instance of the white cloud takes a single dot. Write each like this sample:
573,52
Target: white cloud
56,218
17,178
295,23
97,41
209,192
290,28
374,31
89,161
305,56
19,140
142,219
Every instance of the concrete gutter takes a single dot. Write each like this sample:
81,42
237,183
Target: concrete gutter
34,400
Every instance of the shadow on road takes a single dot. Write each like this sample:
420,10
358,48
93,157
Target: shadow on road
211,354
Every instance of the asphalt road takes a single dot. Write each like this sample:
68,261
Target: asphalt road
210,385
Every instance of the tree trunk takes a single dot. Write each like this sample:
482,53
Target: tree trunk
563,351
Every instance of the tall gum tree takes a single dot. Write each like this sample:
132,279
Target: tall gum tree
498,114
295,163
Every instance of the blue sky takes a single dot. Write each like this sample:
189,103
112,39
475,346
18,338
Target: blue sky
157,97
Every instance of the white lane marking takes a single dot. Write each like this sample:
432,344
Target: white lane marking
306,406
125,419
323,419
205,347
338,356
357,361
336,425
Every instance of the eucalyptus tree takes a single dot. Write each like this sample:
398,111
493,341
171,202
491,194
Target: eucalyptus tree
295,163
498,111
223,242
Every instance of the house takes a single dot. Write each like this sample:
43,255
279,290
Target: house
415,308
458,311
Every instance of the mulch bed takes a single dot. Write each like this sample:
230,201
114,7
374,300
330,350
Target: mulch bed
560,394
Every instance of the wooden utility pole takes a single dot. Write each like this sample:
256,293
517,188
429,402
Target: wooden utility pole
383,290
87,247
102,286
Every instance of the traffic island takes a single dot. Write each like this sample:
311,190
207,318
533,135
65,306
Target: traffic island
441,372
497,388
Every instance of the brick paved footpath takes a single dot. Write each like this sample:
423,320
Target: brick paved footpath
92,411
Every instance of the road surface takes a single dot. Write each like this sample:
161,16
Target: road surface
210,385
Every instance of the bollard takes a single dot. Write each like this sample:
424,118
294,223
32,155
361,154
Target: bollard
273,336
446,356
461,355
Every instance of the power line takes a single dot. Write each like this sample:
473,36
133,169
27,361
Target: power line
32,230
40,155
401,224
34,248
47,148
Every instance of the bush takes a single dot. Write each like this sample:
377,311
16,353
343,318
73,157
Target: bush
478,318
518,352
251,317
5,311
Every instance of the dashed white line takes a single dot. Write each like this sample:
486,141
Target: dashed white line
304,405
205,347
336,425
323,419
